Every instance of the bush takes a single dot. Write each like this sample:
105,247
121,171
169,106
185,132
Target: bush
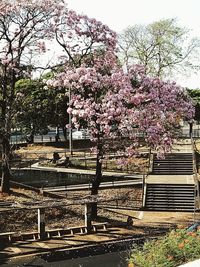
176,248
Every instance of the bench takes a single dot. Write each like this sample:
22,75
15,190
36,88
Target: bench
7,235
102,225
78,229
55,232
30,235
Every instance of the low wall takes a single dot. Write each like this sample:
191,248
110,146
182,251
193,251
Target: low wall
45,178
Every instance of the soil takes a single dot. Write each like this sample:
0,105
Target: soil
26,156
66,216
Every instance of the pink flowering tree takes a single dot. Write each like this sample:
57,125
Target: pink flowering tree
79,36
112,103
161,105
25,25
99,88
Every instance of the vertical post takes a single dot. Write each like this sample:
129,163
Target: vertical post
70,128
41,223
88,221
190,129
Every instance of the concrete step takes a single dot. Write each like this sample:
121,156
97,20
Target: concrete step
167,204
186,209
171,189
170,197
168,194
171,185
173,162
170,166
173,173
174,201
174,159
173,168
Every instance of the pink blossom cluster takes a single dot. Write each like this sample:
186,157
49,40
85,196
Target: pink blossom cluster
24,25
114,103
27,24
161,105
79,35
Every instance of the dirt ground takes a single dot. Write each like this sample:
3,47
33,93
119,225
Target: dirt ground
20,220
143,221
74,215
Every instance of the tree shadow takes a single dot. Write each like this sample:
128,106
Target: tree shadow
20,194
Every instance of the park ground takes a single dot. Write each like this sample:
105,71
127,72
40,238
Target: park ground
145,224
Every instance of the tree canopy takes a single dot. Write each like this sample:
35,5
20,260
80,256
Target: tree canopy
162,47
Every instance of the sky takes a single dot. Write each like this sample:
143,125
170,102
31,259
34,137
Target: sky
118,15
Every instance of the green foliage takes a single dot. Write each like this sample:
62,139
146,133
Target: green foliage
177,247
195,95
40,106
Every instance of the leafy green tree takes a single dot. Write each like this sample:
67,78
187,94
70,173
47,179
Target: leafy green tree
39,107
195,95
163,47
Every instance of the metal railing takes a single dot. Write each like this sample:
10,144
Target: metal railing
196,179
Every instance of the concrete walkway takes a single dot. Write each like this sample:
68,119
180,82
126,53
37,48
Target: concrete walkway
124,183
36,166
191,264
170,179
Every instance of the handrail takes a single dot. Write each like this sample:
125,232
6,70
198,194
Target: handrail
194,156
151,156
196,180
150,169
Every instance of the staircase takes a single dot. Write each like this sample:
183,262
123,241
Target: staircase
171,185
170,197
175,164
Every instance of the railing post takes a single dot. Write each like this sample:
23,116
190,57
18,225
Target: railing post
196,180
88,221
41,223
143,190
190,129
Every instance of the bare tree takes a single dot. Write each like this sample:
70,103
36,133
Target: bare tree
162,47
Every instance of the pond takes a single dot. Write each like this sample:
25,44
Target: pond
114,259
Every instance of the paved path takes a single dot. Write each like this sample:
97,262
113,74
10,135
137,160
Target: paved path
170,179
36,166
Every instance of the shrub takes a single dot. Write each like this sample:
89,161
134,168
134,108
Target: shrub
177,247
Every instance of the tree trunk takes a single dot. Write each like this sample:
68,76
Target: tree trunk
96,182
5,179
64,129
30,137
57,136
